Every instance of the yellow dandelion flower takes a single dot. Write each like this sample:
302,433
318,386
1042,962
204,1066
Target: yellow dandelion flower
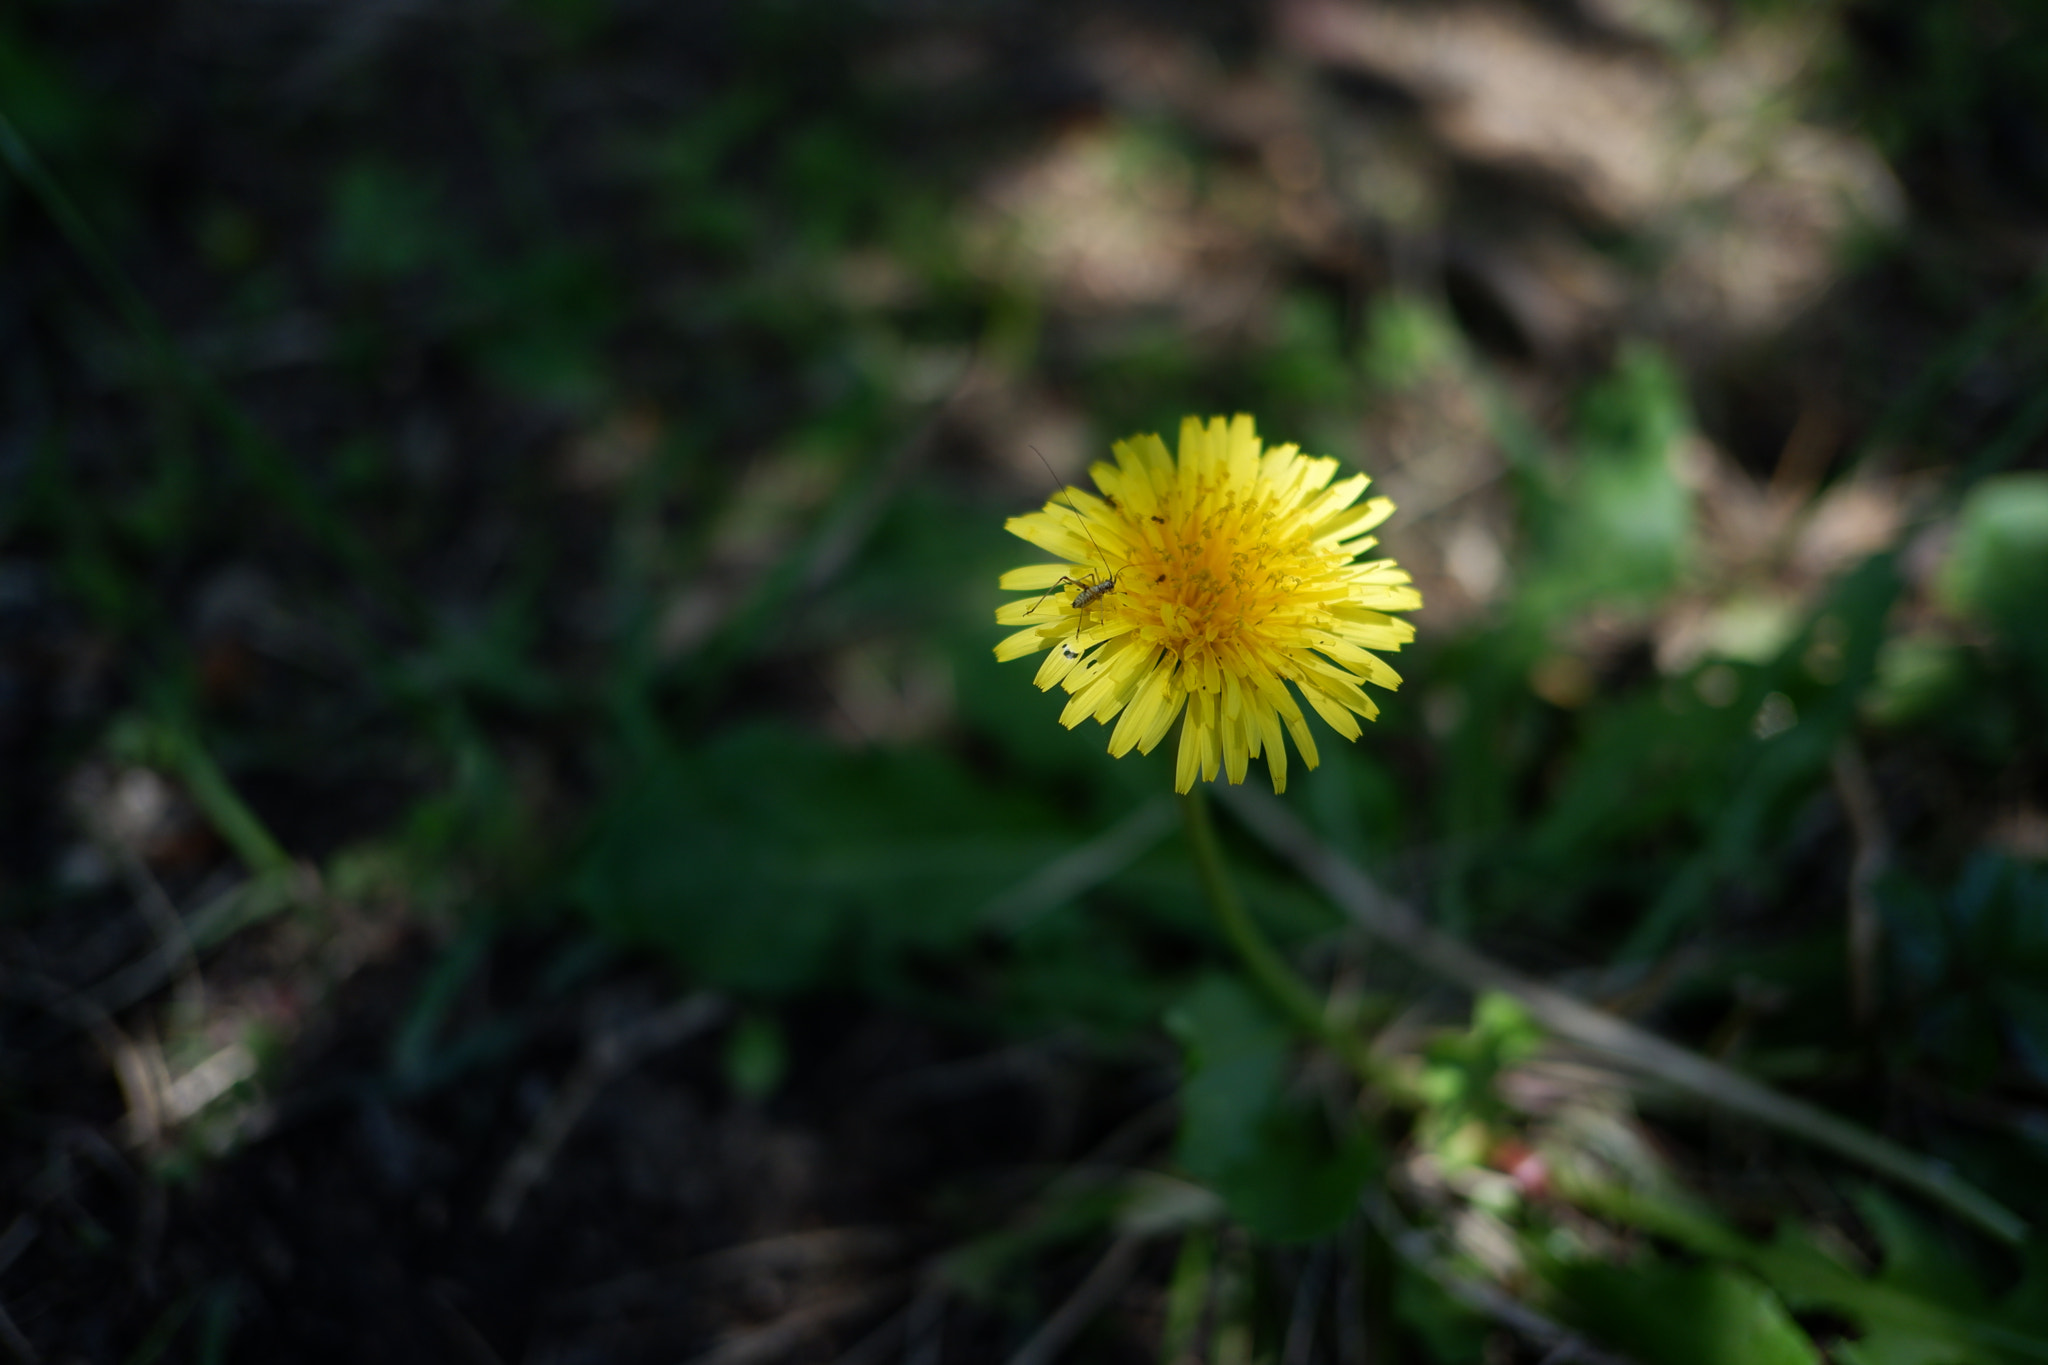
1206,585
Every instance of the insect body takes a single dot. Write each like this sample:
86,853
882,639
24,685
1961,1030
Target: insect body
1093,593
1093,590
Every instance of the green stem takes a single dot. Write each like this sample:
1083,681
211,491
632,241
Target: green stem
1282,984
172,748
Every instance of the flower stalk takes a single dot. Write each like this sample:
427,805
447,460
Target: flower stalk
1282,985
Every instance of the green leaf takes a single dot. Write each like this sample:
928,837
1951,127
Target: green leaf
1917,677
767,860
1924,1307
1458,1081
1300,1184
1236,1057
1450,1330
1617,524
1278,1168
1997,568
1668,1314
1917,1261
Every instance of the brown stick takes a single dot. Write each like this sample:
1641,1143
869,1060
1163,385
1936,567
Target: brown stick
1091,1297
607,1057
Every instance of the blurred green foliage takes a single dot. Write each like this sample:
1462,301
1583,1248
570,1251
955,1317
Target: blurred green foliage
1461,1102
756,1056
1610,521
762,860
1686,1315
1996,574
1971,964
691,799
1272,1156
1928,1300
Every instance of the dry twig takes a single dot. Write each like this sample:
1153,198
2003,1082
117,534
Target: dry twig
174,939
608,1056
776,1338
1091,1297
1418,1249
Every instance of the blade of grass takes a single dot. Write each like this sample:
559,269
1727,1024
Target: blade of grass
175,750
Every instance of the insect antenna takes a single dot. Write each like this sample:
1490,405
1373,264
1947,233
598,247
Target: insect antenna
1060,487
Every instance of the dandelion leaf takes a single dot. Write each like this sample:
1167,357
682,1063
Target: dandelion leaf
1277,1167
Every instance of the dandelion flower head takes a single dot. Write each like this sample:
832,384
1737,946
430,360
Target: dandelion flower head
1205,585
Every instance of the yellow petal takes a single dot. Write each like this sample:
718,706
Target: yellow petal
1163,718
1022,610
1275,691
1195,740
1051,535
1024,642
1332,501
1356,521
1057,665
1276,751
1236,747
1390,599
1037,577
1369,667
1335,716
1137,718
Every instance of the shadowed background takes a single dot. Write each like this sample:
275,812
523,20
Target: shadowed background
515,846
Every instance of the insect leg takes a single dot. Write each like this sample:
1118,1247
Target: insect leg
1063,582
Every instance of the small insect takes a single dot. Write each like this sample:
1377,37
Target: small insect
1092,593
1094,588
